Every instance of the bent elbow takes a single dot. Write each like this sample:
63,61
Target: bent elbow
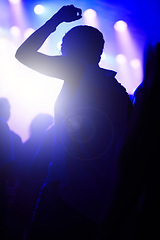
21,56
18,55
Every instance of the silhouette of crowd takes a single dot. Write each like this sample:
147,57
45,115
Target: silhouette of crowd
92,171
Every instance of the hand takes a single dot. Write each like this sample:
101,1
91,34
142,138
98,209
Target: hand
69,13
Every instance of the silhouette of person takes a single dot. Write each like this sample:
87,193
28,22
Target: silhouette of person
29,185
6,157
6,144
43,156
15,150
91,115
148,129
11,154
38,128
136,209
5,115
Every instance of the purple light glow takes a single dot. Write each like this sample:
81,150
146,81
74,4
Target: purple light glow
90,13
15,31
28,32
135,63
30,93
14,1
121,59
120,26
90,17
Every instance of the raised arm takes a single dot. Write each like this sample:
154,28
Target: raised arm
54,66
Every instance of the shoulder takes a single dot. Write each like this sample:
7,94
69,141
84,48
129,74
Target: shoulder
16,137
112,81
109,73
69,69
3,125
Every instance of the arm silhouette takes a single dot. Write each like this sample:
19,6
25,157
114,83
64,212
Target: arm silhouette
61,67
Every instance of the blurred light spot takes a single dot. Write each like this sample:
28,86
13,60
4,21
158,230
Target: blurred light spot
39,9
103,56
90,13
28,32
15,31
135,63
120,26
90,18
14,1
59,45
121,58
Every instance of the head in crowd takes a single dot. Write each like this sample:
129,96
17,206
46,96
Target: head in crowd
40,124
4,108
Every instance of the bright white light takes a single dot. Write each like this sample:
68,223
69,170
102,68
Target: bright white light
59,45
15,31
28,32
103,56
28,92
90,18
39,9
90,13
120,26
121,58
135,63
14,1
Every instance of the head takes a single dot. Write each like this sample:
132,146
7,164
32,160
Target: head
4,108
84,43
40,124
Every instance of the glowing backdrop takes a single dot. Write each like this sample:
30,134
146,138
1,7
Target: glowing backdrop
126,26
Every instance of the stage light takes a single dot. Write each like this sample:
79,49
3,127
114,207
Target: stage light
90,18
15,31
120,26
14,1
28,32
103,56
90,13
121,58
59,45
135,63
38,9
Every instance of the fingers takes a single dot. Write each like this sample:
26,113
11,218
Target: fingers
69,13
76,11
79,13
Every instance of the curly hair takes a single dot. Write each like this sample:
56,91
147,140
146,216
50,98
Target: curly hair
83,42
